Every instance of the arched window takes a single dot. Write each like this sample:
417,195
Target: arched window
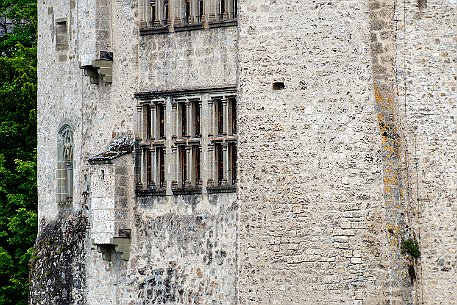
65,165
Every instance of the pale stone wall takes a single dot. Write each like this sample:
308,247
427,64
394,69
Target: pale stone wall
427,78
311,190
182,248
354,154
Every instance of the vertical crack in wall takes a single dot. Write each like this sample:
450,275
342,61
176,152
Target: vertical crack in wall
397,286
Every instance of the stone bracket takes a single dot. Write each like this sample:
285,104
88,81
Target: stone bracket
117,244
100,69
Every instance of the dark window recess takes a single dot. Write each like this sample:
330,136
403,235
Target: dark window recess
147,112
61,34
161,117
148,167
233,118
233,162
183,119
201,10
196,106
222,11
165,12
278,86
183,164
197,164
220,118
187,13
219,163
153,13
235,9
161,165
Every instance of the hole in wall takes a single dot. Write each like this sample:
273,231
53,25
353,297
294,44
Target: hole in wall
278,85
422,4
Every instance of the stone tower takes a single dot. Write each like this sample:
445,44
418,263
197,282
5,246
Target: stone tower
246,152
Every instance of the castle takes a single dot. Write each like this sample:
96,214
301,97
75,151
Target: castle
246,152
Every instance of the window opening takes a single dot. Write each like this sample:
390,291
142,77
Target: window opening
201,10
161,166
220,117
222,9
183,164
233,162
61,34
165,12
65,165
187,12
147,114
197,164
233,115
147,153
183,119
196,108
161,117
219,163
153,12
235,9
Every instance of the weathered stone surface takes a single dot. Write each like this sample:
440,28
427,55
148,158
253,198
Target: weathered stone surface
346,148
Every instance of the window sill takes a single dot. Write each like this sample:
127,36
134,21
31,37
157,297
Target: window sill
187,191
151,31
189,27
150,192
221,189
223,23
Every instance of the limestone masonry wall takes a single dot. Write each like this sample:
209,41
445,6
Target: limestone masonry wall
311,221
345,141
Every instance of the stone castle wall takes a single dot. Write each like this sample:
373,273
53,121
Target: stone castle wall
311,222
427,77
346,148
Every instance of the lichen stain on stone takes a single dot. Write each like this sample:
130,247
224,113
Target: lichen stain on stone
57,268
391,144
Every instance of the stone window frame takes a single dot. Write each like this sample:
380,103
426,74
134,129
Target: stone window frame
187,164
164,16
61,34
65,165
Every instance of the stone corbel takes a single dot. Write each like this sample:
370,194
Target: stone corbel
100,68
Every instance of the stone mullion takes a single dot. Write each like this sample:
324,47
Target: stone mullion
174,117
139,126
194,11
159,12
175,166
189,118
142,13
225,120
200,106
211,5
156,13
144,168
177,10
179,170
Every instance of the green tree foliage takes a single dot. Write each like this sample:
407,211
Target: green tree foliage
18,192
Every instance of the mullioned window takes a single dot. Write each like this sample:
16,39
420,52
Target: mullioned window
163,15
186,144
